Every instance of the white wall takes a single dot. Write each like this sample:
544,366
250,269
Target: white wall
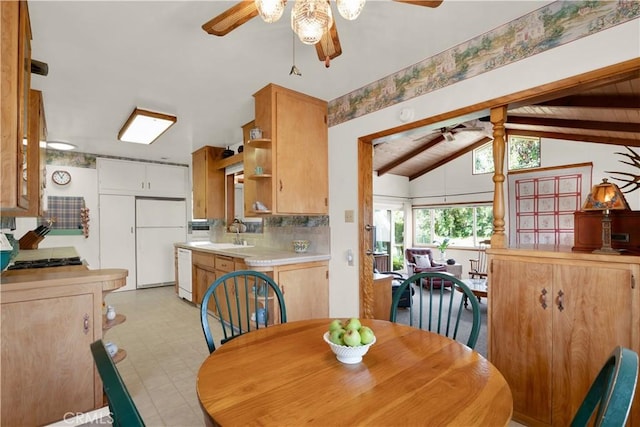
580,56
84,183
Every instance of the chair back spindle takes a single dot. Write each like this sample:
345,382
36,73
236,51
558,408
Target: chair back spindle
241,301
439,309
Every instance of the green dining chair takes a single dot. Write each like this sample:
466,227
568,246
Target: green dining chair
242,301
439,309
123,409
611,392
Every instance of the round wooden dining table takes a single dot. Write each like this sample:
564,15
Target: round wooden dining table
287,375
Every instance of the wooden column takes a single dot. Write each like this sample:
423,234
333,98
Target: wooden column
498,118
365,217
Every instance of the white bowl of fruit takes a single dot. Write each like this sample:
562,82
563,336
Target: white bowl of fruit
349,340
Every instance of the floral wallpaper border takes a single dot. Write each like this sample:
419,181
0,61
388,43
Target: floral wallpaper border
551,26
87,160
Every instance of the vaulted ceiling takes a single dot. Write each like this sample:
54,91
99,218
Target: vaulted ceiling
607,112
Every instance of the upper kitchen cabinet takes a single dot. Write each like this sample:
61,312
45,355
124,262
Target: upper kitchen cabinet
141,179
208,183
15,81
286,171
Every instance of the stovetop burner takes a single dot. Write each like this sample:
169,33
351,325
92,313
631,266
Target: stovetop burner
42,263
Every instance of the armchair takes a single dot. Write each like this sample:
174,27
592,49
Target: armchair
420,260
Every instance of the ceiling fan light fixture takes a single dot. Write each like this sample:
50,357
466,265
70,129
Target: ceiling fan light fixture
310,19
350,9
144,127
270,10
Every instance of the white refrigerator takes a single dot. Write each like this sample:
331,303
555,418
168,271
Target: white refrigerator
159,224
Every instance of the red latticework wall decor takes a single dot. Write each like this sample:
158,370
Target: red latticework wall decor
542,203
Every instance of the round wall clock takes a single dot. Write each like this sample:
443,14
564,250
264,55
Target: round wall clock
61,177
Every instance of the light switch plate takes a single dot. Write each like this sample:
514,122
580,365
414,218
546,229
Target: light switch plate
348,215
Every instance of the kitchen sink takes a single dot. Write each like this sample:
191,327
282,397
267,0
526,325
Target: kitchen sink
219,246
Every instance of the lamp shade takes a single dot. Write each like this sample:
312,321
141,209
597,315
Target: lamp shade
605,196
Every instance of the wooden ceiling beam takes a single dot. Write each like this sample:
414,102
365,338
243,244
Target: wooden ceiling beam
477,144
574,124
386,168
576,137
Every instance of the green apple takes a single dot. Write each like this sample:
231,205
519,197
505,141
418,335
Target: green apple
336,335
366,335
353,323
351,337
335,324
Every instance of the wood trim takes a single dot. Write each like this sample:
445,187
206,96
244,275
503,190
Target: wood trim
548,168
365,217
616,72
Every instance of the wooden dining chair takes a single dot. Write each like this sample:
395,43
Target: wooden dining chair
123,409
439,310
611,392
242,301
478,267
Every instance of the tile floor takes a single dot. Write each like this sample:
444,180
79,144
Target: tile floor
165,347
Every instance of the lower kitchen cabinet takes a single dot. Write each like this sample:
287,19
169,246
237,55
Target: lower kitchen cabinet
49,320
204,274
554,318
305,288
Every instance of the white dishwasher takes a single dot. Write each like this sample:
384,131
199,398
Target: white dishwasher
184,274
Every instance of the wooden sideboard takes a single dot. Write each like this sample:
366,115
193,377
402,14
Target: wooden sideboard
554,318
50,316
625,231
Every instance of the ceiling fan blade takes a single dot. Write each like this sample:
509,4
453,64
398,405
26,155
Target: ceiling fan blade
427,3
231,18
329,44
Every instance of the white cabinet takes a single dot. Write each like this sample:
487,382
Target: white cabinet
139,178
117,235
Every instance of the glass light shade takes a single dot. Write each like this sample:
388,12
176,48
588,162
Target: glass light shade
144,127
270,10
350,9
605,196
58,145
310,19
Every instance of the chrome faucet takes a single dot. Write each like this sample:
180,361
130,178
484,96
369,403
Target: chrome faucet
237,241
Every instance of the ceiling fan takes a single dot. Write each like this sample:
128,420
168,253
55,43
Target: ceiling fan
448,133
327,48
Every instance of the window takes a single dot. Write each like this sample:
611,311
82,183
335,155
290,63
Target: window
465,226
523,152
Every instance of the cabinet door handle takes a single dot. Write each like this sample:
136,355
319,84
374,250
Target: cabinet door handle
282,289
280,185
543,298
560,300
85,324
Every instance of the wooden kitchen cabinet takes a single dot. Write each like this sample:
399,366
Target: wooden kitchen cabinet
204,274
305,288
49,319
293,155
208,183
20,183
554,320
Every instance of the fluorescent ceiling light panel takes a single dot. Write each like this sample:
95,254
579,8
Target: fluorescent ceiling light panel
144,127
59,145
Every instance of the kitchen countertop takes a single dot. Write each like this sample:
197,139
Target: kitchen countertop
46,253
257,256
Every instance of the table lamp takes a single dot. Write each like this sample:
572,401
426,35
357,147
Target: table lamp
605,197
